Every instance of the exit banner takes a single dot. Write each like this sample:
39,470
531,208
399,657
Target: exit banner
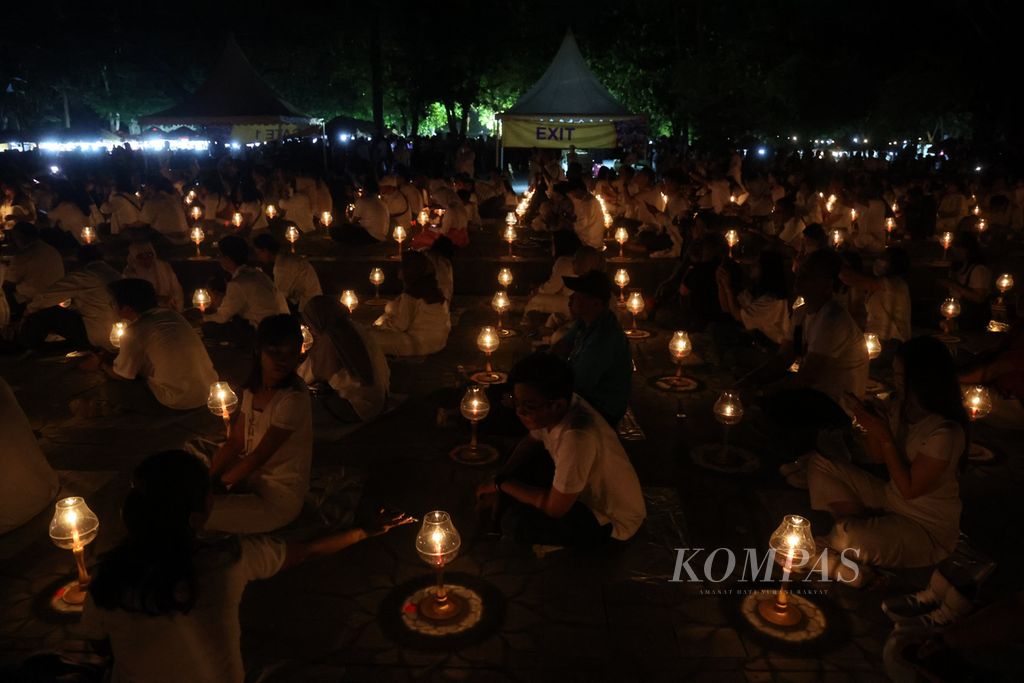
535,133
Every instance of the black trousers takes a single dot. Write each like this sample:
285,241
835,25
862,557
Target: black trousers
54,320
526,524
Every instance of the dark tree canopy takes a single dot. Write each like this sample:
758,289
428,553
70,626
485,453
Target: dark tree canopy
706,70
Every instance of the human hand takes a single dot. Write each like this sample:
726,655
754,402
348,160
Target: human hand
873,424
386,519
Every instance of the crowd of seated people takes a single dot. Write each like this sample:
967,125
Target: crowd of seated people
814,266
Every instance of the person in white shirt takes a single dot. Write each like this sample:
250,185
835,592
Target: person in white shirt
589,218
158,346
399,209
833,361
953,206
368,223
869,230
766,308
297,208
416,323
294,276
552,296
163,210
78,302
441,255
412,195
887,296
143,263
912,519
269,451
28,484
72,213
122,207
250,294
34,266
570,481
167,601
345,357
971,282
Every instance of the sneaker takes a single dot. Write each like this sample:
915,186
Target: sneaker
953,608
905,607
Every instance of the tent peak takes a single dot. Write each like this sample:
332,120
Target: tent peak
568,87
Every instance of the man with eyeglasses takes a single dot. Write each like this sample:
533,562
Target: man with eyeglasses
569,482
596,347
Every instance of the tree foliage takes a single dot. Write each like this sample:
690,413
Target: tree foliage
698,68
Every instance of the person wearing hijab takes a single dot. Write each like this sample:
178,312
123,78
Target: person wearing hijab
346,358
417,322
144,264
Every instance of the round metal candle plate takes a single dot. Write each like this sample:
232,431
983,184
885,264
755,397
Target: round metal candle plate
948,338
676,385
376,302
637,334
735,460
481,454
505,333
809,627
69,599
418,612
484,377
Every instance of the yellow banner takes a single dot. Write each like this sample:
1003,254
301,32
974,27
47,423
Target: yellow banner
268,132
526,133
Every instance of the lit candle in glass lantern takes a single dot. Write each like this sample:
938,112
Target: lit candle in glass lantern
349,300
201,299
438,544
73,527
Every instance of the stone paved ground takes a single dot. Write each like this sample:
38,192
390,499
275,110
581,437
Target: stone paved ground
567,616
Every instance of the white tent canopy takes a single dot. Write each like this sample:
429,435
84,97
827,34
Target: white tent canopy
568,87
567,106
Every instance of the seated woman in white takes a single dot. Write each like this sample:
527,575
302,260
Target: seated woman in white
166,599
887,296
417,322
144,264
270,448
766,308
346,358
913,519
552,296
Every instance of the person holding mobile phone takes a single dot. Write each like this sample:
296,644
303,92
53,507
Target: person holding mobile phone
913,519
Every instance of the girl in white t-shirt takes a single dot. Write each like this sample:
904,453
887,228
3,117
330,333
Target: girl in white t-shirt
270,448
913,519
167,601
417,322
345,358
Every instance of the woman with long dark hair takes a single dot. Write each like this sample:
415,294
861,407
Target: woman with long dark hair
971,282
265,462
346,358
417,322
167,601
913,520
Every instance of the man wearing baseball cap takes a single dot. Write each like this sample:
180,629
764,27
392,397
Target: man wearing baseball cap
596,347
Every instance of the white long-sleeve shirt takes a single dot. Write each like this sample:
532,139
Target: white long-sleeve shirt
33,269
162,348
250,295
589,224
296,279
87,289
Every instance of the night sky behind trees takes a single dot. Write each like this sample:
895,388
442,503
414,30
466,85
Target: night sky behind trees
710,69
